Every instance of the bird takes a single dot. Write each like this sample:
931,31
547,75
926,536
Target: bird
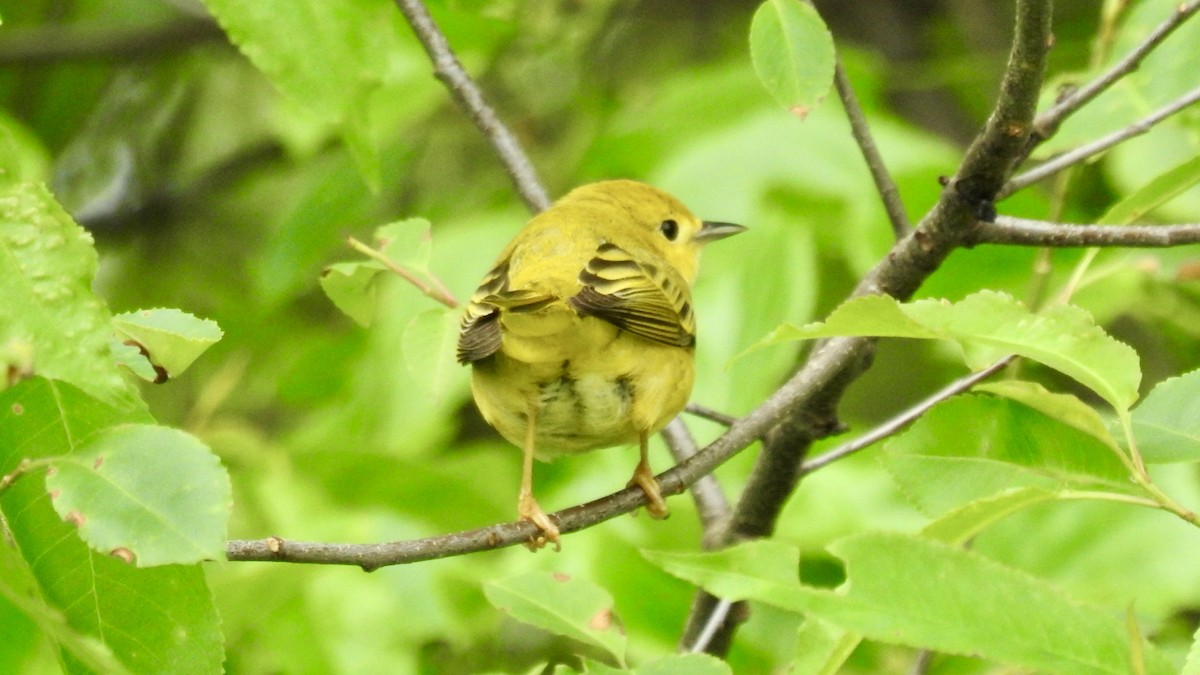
582,335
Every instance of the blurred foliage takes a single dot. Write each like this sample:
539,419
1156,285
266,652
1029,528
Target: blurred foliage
214,188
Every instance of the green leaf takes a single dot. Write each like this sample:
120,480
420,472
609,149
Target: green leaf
353,289
159,619
685,664
988,326
1161,189
19,587
563,605
911,591
745,570
1167,423
1192,665
329,58
973,447
1065,408
962,524
428,344
173,339
822,648
146,493
406,242
47,264
793,54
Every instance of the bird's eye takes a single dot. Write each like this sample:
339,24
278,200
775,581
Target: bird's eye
670,229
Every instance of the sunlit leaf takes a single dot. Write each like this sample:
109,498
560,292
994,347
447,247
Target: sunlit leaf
961,524
1161,189
146,494
792,51
1167,424
924,594
1065,408
171,338
564,605
428,344
974,447
47,264
352,287
157,619
988,326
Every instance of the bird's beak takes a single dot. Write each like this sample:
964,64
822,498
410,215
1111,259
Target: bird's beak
710,231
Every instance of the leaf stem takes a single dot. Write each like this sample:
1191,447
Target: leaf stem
437,291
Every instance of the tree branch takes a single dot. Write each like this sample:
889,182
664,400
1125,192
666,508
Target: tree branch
448,69
1046,124
810,397
898,423
709,414
711,503
1007,230
1083,152
55,44
892,203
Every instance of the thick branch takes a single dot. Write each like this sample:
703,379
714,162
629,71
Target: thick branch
448,69
48,45
815,390
1047,123
1083,152
1021,232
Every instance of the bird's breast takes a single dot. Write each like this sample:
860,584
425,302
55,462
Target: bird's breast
592,386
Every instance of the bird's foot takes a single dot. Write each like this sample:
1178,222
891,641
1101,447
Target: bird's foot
643,477
528,509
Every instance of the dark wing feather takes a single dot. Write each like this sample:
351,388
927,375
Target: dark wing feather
480,334
647,300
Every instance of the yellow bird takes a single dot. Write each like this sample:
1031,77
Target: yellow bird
582,335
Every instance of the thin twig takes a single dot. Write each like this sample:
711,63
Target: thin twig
437,292
712,505
1083,152
899,422
671,482
1047,122
709,414
1007,230
884,184
715,619
448,69
49,45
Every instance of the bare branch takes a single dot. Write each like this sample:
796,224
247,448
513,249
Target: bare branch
1083,152
372,556
711,503
866,142
1022,232
1047,123
448,69
809,399
49,45
709,414
899,422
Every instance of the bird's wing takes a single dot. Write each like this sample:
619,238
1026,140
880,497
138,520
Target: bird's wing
645,299
479,333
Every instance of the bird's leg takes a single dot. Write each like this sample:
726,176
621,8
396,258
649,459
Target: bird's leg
643,477
527,506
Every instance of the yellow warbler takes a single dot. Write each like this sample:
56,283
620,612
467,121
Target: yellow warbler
582,335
